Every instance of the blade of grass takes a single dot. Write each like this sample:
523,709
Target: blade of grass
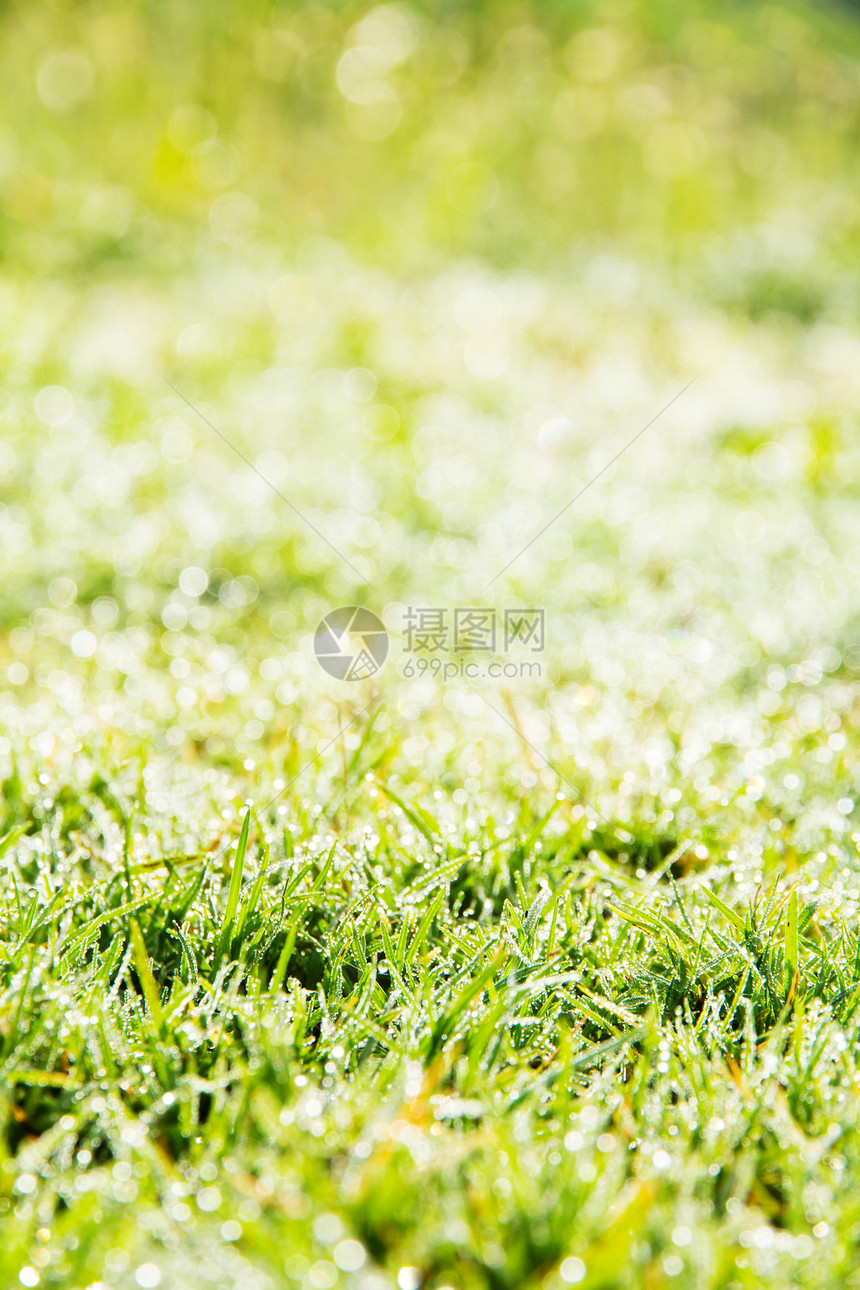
228,923
729,913
144,972
792,955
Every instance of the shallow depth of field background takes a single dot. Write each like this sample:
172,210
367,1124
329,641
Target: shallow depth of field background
430,268
430,271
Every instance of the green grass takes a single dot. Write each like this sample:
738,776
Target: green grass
429,980
480,1057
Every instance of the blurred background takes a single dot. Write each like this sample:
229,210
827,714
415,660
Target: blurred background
430,268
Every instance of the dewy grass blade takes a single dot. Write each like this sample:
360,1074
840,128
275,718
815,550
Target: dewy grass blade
651,924
249,905
415,815
9,1038
423,928
792,953
90,929
11,837
729,913
280,972
189,959
144,972
227,926
579,1062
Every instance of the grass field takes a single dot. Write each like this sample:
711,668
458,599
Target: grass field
526,960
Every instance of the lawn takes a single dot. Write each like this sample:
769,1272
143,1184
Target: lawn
501,932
